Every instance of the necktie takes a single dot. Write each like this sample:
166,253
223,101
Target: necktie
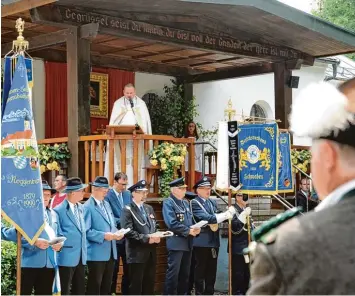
46,218
120,199
143,213
76,214
104,211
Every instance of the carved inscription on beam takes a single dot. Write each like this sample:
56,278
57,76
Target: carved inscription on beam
141,30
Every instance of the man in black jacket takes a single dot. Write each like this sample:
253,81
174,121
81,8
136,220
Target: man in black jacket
303,196
240,240
140,245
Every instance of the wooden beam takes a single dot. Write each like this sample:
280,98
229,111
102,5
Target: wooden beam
120,63
89,31
22,5
121,27
78,83
233,72
283,94
41,41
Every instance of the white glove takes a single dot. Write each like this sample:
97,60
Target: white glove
243,215
223,216
232,210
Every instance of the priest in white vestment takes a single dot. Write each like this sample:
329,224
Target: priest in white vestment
129,110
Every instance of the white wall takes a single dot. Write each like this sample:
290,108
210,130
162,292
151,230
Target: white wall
212,97
152,83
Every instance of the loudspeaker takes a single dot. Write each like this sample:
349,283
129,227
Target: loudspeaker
293,82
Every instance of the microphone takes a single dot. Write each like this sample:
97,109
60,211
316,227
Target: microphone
132,106
219,196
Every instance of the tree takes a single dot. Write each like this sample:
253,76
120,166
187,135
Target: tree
339,12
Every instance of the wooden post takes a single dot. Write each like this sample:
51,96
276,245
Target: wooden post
283,94
191,150
78,81
18,268
229,246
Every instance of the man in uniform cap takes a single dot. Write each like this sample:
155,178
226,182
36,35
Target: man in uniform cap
314,253
101,236
71,224
178,219
140,245
206,245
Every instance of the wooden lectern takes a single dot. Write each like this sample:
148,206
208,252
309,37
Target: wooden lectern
131,131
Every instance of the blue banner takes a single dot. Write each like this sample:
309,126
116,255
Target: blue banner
285,164
7,77
258,150
21,188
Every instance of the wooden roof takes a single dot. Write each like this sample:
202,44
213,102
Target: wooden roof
183,37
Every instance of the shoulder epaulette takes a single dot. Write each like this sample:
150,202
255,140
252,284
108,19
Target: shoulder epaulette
259,233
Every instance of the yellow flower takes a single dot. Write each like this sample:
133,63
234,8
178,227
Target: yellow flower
154,162
42,169
164,166
168,151
56,146
154,155
163,160
49,166
171,145
54,163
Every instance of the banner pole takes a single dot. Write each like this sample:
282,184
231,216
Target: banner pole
18,269
230,244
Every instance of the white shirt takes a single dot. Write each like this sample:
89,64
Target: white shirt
71,205
334,197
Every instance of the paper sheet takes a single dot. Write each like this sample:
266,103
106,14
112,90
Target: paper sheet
57,240
123,231
162,234
199,224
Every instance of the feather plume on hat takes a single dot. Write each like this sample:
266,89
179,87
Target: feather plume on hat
322,111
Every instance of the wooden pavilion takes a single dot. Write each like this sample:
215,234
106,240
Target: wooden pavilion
193,40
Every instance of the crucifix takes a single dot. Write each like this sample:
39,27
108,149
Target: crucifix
230,112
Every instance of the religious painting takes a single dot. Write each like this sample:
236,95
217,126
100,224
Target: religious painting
98,95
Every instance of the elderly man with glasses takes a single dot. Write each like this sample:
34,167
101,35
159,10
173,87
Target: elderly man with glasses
118,197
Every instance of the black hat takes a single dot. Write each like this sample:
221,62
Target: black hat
45,186
139,186
203,182
74,184
190,195
100,182
328,114
178,183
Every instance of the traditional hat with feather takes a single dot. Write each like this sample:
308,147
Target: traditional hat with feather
323,111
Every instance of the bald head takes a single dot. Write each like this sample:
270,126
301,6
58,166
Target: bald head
129,91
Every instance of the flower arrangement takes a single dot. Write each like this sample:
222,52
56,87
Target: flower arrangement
52,157
301,159
169,156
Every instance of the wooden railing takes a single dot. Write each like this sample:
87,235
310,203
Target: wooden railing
92,156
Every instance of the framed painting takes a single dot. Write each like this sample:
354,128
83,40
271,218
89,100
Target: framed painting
98,95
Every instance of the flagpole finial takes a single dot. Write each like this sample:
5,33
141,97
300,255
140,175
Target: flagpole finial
230,112
20,44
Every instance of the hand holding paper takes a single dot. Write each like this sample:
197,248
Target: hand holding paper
199,224
161,234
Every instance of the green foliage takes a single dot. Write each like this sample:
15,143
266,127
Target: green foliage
339,12
171,112
170,157
52,156
8,268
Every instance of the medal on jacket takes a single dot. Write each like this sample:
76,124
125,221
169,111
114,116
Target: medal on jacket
180,217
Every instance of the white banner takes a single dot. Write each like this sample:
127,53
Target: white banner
222,180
